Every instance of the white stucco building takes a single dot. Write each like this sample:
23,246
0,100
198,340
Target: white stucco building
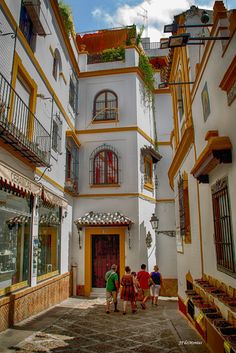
202,172
38,109
124,170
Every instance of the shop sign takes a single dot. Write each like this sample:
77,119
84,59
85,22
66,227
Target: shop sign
19,180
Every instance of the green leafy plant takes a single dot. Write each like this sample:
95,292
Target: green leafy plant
131,34
113,54
67,17
148,73
139,35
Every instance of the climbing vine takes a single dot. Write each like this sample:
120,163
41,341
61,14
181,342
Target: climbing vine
67,17
148,73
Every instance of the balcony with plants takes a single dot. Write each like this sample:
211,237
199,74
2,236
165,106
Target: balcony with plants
20,128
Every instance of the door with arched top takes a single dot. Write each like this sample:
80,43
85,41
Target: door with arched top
105,252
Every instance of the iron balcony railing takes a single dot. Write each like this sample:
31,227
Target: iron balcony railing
20,128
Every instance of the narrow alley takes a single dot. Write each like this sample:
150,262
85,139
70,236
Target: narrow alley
81,325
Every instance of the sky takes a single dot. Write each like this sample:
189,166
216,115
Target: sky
90,15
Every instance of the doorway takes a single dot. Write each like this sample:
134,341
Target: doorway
105,252
115,236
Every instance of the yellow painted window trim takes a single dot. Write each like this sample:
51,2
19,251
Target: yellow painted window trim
51,50
105,185
72,135
14,287
47,275
35,62
149,186
63,76
19,69
105,121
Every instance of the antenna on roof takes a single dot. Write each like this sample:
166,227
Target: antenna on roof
144,15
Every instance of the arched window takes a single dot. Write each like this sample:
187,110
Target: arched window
104,166
57,66
105,106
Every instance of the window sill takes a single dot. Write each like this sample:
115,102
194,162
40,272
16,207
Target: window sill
112,121
14,287
47,275
148,186
105,186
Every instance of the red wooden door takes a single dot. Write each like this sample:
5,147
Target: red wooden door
105,252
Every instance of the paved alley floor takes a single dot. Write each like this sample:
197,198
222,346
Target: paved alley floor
81,325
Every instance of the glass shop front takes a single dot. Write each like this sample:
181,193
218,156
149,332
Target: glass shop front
49,240
15,240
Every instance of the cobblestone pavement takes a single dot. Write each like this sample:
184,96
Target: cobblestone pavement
81,325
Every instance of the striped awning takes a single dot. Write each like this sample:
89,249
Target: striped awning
17,180
103,219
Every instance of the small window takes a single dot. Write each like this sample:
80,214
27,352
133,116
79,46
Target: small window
72,170
73,93
105,106
148,172
180,102
184,213
57,65
56,134
222,227
104,166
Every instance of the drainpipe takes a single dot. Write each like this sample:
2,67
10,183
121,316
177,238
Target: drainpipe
74,279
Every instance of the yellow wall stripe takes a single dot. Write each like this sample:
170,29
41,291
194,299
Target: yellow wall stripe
35,62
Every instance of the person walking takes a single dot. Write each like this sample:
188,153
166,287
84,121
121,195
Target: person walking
127,291
112,288
157,283
144,280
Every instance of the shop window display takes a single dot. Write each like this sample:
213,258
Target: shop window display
48,246
15,222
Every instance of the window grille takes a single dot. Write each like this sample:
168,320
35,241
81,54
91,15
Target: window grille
73,93
180,102
56,134
222,226
184,213
104,166
181,206
105,106
72,170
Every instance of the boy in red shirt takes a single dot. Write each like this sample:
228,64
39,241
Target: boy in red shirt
144,279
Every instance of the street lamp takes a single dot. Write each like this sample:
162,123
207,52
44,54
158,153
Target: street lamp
182,40
154,222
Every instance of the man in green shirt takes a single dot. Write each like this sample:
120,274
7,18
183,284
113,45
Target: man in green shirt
112,288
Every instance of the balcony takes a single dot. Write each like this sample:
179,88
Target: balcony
20,128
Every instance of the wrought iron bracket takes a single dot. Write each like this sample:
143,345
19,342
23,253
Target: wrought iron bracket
38,178
12,34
